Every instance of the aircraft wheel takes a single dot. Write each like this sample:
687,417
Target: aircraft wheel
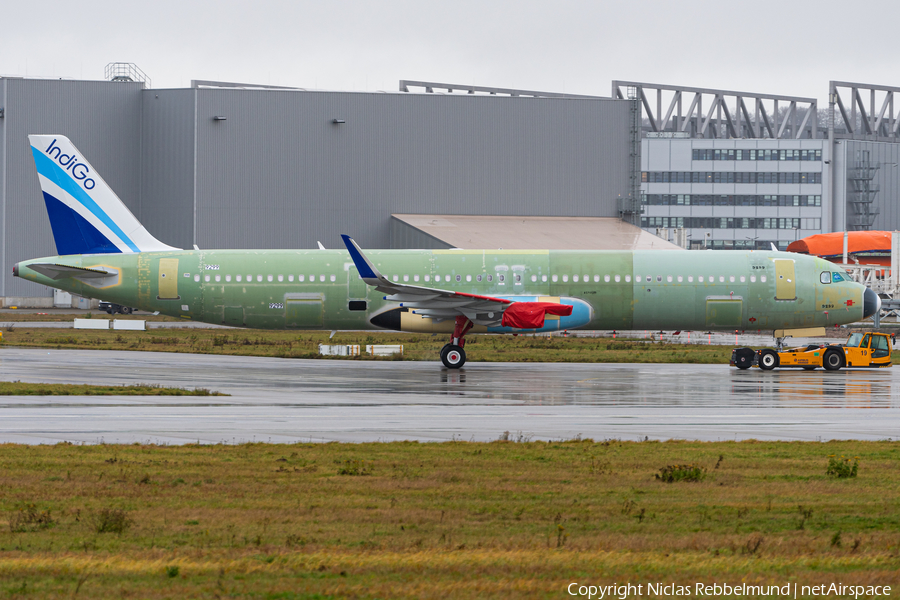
453,357
768,360
833,360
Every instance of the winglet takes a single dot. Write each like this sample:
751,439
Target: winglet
366,269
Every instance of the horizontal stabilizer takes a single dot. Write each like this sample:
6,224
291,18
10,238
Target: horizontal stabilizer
55,271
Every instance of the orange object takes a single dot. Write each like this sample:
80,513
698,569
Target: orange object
868,247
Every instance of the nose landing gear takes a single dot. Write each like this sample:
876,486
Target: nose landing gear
452,355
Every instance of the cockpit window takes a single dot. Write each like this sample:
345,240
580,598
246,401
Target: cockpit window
825,277
835,277
854,340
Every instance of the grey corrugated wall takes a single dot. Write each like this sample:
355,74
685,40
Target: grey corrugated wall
278,173
887,178
101,118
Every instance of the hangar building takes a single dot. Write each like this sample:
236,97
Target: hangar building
225,165
727,169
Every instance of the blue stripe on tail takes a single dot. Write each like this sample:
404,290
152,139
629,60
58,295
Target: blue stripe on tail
72,233
50,170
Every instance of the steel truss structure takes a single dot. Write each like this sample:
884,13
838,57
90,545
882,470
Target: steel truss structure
450,88
728,114
864,122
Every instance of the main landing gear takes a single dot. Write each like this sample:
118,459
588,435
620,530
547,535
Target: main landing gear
452,355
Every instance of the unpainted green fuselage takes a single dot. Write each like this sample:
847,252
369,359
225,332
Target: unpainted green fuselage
316,289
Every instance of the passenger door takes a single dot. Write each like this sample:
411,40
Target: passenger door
785,283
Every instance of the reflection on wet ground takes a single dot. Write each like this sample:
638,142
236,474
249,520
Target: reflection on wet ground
292,400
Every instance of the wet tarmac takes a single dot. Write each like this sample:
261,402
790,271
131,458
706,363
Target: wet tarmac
284,400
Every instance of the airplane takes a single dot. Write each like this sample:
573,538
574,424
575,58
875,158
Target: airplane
105,253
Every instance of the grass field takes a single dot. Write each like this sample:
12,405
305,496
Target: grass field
450,520
292,344
17,388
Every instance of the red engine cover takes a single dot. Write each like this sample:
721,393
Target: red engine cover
530,315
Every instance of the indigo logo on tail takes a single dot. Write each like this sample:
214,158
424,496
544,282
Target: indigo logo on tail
69,162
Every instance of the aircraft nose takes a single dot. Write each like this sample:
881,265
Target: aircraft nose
16,270
871,303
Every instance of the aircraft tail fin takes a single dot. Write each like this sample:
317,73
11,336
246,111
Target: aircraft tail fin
86,216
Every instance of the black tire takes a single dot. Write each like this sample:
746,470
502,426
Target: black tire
453,357
768,359
127,310
110,311
833,360
742,358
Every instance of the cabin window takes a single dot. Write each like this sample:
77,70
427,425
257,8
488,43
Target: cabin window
415,277
458,278
501,277
259,278
518,278
300,278
762,278
478,278
668,278
533,279
218,278
658,278
555,278
396,278
690,279
825,277
743,279
606,278
196,278
206,278
322,278
596,279
490,277
281,278
428,278
544,278
290,278
721,279
680,279
711,279
618,278
637,278
753,279
268,278
836,277
565,278
700,279
575,278
333,278
731,279
406,278
312,278
628,279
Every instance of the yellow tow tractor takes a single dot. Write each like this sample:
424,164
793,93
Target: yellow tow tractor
869,350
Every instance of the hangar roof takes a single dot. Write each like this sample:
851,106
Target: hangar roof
527,233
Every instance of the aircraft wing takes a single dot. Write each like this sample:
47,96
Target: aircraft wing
432,303
55,271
